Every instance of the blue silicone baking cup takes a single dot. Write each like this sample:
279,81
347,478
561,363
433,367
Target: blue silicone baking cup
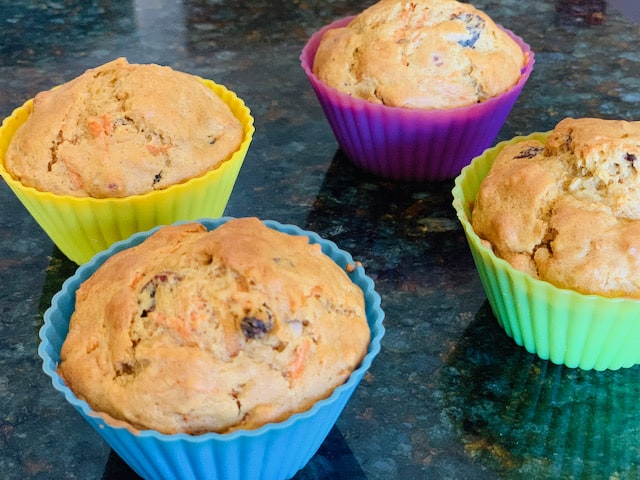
274,451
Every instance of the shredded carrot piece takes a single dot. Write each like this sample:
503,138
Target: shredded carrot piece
136,280
107,125
316,291
173,323
95,128
74,176
297,366
100,126
156,150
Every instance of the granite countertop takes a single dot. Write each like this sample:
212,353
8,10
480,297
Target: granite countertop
450,395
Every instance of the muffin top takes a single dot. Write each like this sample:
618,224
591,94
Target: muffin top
420,54
212,331
122,129
568,211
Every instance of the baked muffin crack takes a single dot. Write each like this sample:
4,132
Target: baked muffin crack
54,151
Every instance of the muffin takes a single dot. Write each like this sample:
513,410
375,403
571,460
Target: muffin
195,331
395,85
567,210
427,54
247,450
111,132
565,325
123,148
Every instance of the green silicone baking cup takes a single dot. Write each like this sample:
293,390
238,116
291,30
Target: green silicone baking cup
560,325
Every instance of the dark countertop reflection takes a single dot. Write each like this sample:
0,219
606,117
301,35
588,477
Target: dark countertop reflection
449,396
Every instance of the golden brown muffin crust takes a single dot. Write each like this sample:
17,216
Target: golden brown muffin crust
197,331
424,54
122,129
568,211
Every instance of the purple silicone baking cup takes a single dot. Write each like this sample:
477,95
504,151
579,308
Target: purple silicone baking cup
275,451
406,144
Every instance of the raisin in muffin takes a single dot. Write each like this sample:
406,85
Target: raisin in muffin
122,129
212,331
424,54
568,211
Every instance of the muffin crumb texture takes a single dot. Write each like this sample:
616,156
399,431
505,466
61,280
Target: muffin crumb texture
122,129
195,331
421,54
568,211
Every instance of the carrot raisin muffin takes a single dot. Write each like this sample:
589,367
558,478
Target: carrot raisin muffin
420,54
122,129
212,331
568,211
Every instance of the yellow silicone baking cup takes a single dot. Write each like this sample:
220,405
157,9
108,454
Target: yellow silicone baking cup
564,326
83,226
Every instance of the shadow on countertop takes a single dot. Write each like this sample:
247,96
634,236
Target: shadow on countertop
333,461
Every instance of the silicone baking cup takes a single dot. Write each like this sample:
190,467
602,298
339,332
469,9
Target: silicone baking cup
82,226
564,326
405,144
274,451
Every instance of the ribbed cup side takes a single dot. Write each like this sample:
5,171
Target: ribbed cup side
406,144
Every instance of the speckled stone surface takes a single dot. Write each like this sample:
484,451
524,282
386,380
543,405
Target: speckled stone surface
450,396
